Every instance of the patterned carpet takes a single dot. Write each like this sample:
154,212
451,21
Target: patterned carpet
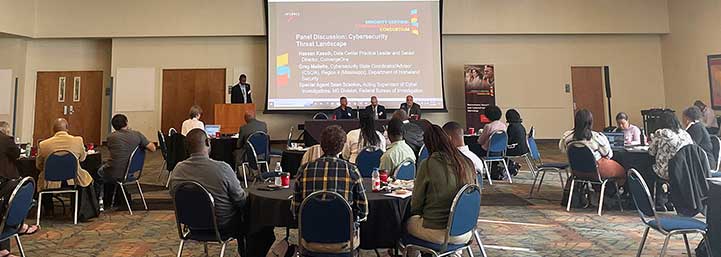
522,227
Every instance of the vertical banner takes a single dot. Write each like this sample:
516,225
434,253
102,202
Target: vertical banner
714,77
480,90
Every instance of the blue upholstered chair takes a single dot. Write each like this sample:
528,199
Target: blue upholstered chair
256,156
462,219
541,167
584,169
369,158
195,217
668,225
60,166
422,154
132,176
18,206
326,218
497,153
406,171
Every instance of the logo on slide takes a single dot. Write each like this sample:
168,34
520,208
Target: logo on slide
282,71
414,22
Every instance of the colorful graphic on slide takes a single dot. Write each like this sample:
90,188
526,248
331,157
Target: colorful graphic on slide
282,71
394,25
414,22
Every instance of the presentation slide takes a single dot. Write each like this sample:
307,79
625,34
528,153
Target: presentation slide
321,50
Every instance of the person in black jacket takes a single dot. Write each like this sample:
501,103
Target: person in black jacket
692,119
517,143
240,93
378,111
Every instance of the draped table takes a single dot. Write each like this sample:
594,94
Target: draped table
313,128
221,149
290,161
382,229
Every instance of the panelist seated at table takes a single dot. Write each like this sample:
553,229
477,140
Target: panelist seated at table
399,151
222,183
193,122
378,111
692,120
631,133
411,108
251,126
62,141
9,152
344,112
330,173
365,136
437,182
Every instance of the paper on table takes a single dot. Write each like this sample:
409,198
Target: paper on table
402,196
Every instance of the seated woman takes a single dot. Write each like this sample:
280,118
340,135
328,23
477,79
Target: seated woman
631,133
666,141
695,128
517,141
437,182
493,113
365,136
597,142
193,121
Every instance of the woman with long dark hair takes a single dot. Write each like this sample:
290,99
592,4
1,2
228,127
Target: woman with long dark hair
598,143
365,136
439,178
666,141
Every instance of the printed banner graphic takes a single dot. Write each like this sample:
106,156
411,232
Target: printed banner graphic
480,85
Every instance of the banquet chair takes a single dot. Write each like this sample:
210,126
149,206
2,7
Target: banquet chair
60,166
195,217
463,218
326,218
369,158
406,171
18,207
541,168
668,225
422,154
716,147
164,152
257,145
320,116
132,176
172,131
497,146
584,169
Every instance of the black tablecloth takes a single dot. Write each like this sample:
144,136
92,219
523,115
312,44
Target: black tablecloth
472,142
221,149
382,229
314,127
26,166
290,161
713,217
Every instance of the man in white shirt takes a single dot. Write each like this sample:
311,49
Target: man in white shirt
194,121
455,132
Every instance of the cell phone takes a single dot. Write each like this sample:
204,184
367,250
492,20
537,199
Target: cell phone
267,188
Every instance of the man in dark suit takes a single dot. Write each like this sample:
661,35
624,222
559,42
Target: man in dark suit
251,126
240,93
692,119
344,112
412,109
9,152
378,111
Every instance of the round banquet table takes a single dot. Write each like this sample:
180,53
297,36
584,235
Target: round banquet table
221,149
382,229
290,161
26,166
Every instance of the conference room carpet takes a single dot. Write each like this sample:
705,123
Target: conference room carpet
520,227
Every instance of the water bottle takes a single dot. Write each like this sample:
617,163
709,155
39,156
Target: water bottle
376,180
278,172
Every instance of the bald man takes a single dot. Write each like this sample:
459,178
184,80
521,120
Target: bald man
62,141
251,126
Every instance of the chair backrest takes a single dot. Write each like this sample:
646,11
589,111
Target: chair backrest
716,146
320,116
325,217
18,205
61,166
532,132
498,143
163,145
172,131
135,164
290,137
406,171
261,144
583,163
423,153
194,209
464,212
368,159
533,148
641,196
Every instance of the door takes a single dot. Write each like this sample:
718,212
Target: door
73,95
588,93
183,88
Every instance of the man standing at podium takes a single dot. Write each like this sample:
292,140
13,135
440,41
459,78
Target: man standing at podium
240,93
344,112
378,111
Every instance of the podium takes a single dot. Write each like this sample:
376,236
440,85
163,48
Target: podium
231,117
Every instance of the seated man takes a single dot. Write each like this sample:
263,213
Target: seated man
412,133
334,174
378,111
455,133
62,141
412,109
221,182
399,151
121,144
344,112
692,120
251,126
